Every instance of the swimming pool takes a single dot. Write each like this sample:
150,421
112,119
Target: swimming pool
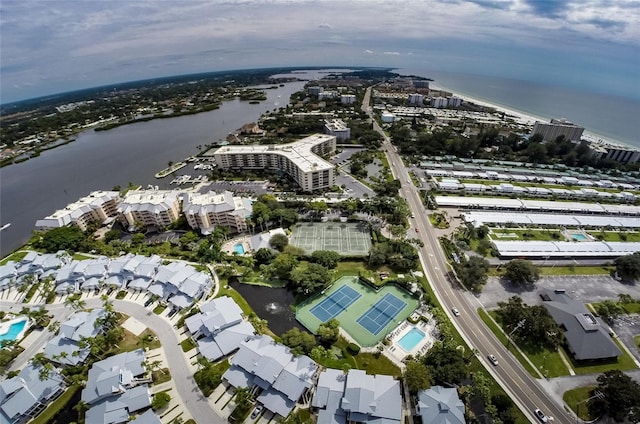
12,331
579,237
411,339
239,249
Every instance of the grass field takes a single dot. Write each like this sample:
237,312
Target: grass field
616,235
577,396
529,234
564,270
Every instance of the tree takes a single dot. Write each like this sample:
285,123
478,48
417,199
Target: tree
328,332
310,279
300,342
446,364
620,396
628,267
63,238
609,310
326,258
160,400
279,241
283,265
536,327
243,398
521,271
473,272
416,376
264,255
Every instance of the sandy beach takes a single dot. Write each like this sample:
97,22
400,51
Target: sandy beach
530,119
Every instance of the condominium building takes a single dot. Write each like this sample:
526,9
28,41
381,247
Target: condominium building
556,128
439,102
416,99
210,210
454,101
149,207
615,152
300,160
96,207
347,99
338,128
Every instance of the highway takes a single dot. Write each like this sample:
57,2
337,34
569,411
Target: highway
523,389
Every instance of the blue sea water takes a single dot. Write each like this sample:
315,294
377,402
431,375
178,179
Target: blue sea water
611,117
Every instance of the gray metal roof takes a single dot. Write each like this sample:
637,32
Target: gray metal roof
327,397
114,373
372,397
586,336
440,405
148,417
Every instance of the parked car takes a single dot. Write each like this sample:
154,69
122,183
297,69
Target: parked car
493,359
541,416
257,410
172,312
148,302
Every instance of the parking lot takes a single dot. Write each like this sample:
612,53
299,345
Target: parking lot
626,327
587,288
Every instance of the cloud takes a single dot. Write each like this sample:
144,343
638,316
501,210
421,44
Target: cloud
158,38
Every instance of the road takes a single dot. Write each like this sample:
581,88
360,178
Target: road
525,391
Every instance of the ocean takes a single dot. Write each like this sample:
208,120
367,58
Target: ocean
613,118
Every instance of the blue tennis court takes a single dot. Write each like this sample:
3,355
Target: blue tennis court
337,302
381,314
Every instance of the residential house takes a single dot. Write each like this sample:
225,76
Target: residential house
65,348
372,398
328,395
26,395
440,405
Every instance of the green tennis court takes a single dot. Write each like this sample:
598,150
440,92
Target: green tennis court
366,314
348,239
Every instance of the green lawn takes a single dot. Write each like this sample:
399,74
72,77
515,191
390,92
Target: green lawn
576,270
80,257
55,407
616,235
636,340
16,257
529,234
495,329
579,395
187,345
159,309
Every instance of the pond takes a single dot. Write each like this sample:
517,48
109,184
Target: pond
271,304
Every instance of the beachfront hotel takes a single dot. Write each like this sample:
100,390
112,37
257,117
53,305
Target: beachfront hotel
556,128
207,211
98,207
149,207
301,160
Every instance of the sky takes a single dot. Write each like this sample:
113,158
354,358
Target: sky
48,47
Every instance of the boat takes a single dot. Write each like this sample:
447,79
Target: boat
5,226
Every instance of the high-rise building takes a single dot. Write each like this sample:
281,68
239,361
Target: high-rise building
337,128
301,160
96,207
556,128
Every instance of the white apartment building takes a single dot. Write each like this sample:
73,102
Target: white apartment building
300,160
439,102
207,211
348,99
416,99
556,128
98,207
337,128
149,207
454,101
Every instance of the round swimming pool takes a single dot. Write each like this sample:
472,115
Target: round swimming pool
410,340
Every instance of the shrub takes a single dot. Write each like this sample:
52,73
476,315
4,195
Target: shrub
353,348
160,400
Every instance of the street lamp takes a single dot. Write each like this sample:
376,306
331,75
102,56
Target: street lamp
598,395
520,324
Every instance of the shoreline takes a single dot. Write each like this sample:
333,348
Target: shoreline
529,118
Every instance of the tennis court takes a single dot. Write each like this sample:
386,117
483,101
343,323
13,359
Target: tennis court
367,315
337,302
348,239
381,314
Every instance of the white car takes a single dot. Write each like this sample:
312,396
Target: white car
455,312
540,415
493,360
256,411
